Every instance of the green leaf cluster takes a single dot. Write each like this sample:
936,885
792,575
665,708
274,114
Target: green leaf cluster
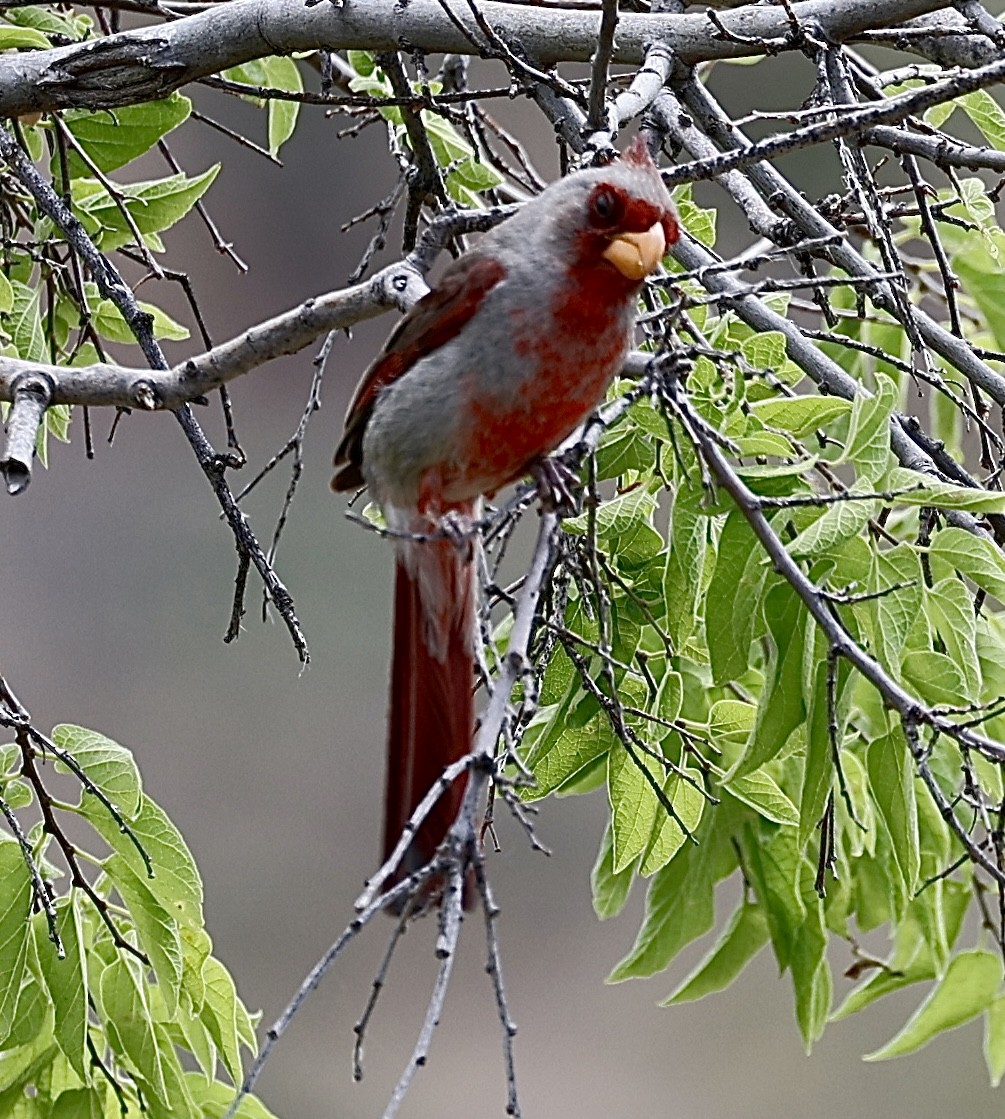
698,691
133,1014
48,312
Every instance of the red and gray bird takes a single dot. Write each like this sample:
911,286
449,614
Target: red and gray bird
485,376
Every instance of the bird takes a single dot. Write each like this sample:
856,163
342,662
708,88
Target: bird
509,352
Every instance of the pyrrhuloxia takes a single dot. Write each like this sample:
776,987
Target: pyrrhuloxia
487,374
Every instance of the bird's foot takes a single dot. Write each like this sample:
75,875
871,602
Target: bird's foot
458,529
557,487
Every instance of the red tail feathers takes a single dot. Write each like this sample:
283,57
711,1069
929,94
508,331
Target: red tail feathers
432,706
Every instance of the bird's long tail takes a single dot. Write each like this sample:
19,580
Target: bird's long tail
432,706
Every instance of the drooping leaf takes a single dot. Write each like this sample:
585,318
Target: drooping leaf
741,940
175,883
15,931
668,836
679,906
732,598
973,556
66,980
891,780
782,708
128,1024
971,984
610,887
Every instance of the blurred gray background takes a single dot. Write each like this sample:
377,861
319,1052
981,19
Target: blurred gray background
117,581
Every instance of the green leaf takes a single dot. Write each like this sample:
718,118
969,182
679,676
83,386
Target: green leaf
951,609
176,883
219,1015
66,981
155,205
971,984
984,282
838,522
774,864
730,722
114,138
621,451
180,1102
731,602
923,489
760,791
80,1103
818,766
782,707
936,678
567,746
273,72
18,794
158,931
109,766
362,62
16,38
977,558
110,324
891,780
74,25
766,443
986,114
25,322
667,835
811,976
800,415
679,907
215,1098
283,73
474,175
617,516
741,940
128,1024
6,294
610,887
884,982
15,907
868,443
633,803
685,564
699,221
765,351
894,612
34,1016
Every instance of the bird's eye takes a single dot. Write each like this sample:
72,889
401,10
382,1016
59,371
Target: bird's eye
606,207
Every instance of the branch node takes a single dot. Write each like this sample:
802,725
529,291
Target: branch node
145,396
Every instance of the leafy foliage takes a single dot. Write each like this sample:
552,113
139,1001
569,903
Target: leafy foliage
699,658
118,1007
681,670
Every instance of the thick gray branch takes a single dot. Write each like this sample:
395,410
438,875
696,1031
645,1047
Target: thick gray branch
103,384
136,66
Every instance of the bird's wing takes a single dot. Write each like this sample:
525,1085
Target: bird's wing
432,322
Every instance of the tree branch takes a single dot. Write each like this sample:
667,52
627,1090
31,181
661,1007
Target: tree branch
135,66
104,384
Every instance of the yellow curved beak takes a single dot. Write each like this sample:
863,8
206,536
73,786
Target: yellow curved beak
637,255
